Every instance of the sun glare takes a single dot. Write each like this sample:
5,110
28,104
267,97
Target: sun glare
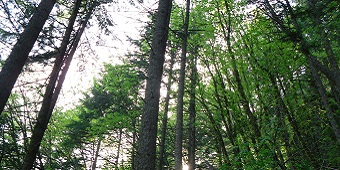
185,167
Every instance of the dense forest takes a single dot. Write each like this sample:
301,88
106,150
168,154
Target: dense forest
208,84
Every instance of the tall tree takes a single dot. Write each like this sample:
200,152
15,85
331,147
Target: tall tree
162,145
51,93
146,153
192,113
180,103
328,67
17,59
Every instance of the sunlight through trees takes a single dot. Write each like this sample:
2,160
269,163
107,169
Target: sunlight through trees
209,84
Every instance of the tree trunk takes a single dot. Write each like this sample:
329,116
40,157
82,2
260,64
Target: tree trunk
216,130
146,154
292,121
165,116
134,134
227,28
51,93
322,92
180,103
17,59
224,103
118,148
95,159
192,115
69,57
332,73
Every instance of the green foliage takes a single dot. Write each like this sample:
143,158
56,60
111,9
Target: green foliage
112,103
274,76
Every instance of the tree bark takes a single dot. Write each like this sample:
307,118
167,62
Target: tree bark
227,28
192,115
134,135
95,159
17,59
217,132
52,92
332,73
180,103
166,110
118,148
69,57
146,154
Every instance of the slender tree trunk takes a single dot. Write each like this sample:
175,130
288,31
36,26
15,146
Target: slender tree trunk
227,28
118,148
69,57
334,69
134,134
298,37
293,122
192,115
283,107
51,95
165,116
333,74
216,130
324,98
180,103
221,108
17,59
224,103
287,113
146,154
322,92
95,159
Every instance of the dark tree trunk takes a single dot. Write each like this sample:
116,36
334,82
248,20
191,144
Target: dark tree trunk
165,116
180,103
69,57
146,154
223,103
316,66
96,154
217,132
118,148
227,28
52,91
192,115
134,135
329,112
17,59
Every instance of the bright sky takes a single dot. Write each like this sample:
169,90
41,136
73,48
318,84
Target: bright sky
128,21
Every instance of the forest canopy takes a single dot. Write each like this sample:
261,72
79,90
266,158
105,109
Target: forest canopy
206,84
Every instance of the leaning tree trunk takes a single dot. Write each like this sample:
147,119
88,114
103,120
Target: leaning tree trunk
332,73
69,58
227,28
52,91
180,103
146,153
17,59
216,131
